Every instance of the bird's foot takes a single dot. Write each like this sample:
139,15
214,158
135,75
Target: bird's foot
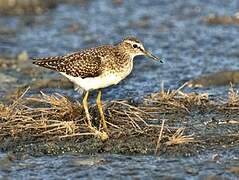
102,135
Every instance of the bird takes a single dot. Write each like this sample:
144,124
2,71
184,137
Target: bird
97,68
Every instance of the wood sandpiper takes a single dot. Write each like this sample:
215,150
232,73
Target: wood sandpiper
97,68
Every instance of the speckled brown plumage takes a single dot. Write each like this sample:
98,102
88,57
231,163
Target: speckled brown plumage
86,63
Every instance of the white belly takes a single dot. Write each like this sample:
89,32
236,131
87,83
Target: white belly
102,81
96,82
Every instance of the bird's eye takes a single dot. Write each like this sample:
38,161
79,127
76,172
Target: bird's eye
135,46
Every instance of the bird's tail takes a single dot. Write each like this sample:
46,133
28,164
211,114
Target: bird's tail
48,62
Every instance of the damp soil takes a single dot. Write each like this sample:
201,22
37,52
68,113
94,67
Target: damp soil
198,123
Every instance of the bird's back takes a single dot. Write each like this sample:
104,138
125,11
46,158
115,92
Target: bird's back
85,63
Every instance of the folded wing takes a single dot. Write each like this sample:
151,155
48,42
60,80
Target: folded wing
79,64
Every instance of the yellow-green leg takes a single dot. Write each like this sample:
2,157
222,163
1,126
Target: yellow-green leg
100,108
85,105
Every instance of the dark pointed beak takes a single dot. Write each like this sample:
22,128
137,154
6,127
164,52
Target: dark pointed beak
147,53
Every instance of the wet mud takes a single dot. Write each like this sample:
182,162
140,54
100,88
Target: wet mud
190,124
224,78
222,20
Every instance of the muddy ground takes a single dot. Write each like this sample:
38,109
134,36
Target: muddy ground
53,124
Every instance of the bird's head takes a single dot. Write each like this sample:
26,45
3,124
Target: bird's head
134,47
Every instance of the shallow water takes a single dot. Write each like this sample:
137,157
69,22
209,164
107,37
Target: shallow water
104,166
172,29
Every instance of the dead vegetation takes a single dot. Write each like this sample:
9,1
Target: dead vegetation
233,97
232,105
179,138
176,101
45,118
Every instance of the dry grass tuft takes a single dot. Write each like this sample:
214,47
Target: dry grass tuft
59,105
233,97
232,104
46,117
176,101
159,138
179,138
125,116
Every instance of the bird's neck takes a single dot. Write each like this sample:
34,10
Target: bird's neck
122,59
